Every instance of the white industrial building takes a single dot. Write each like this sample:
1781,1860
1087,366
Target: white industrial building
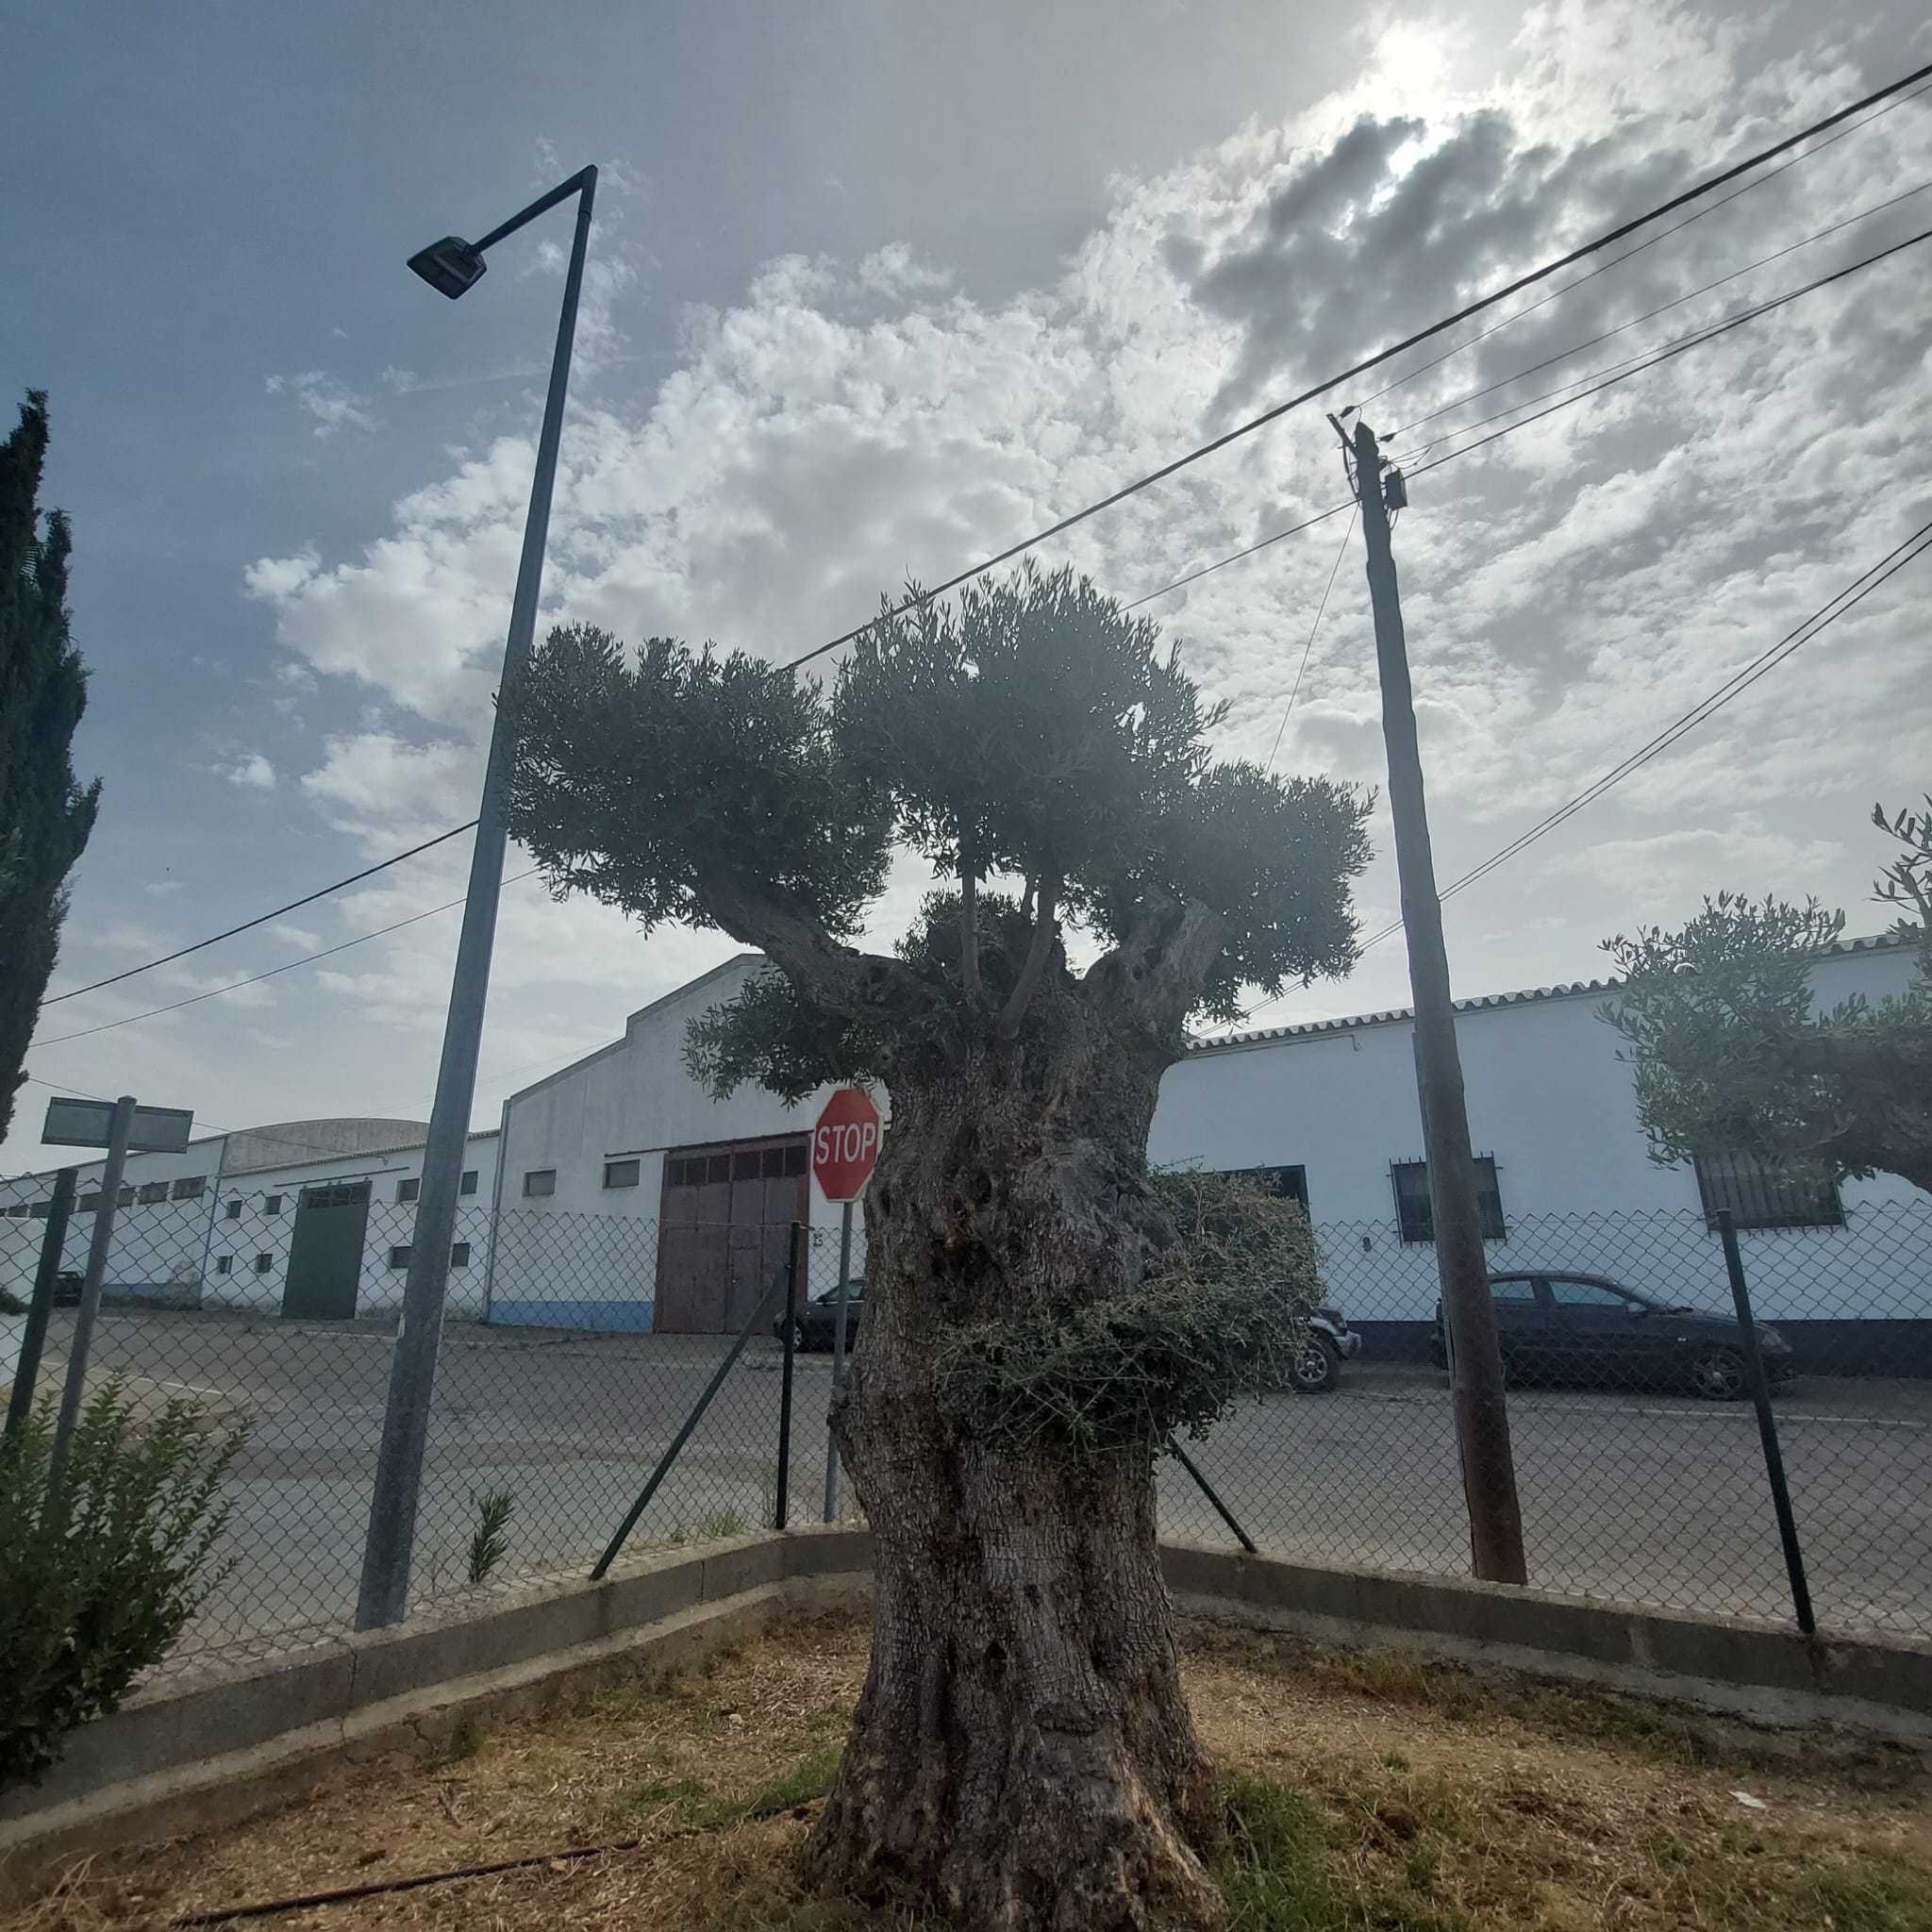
632,1199
619,1195
309,1219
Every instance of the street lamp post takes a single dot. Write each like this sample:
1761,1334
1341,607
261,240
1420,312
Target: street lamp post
452,267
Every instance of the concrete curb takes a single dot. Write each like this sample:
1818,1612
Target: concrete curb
196,1751
1760,1670
212,1749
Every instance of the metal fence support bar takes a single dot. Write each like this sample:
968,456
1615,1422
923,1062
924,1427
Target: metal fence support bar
781,1510
1206,1489
691,1422
1767,1426
838,1361
46,1277
71,1394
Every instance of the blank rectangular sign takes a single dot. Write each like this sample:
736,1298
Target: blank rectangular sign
87,1123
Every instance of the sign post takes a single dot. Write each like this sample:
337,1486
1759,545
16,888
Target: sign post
844,1151
118,1126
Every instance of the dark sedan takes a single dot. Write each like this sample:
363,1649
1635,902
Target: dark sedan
817,1320
1590,1330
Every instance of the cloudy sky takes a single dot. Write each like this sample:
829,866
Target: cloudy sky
878,289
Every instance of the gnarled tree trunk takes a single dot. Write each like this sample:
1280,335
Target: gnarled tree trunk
1022,1755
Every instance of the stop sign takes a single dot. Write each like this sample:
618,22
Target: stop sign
846,1143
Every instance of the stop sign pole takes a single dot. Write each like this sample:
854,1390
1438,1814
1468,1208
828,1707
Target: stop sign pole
844,1151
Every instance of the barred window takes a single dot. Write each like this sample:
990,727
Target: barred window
1418,1217
1287,1183
263,1263
225,1264
1759,1194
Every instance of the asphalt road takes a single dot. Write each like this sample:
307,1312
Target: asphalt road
1657,1500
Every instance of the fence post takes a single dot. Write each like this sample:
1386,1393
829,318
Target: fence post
98,1252
34,1338
838,1361
785,1385
1767,1426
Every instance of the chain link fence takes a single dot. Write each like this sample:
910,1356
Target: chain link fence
1639,1467
1637,1462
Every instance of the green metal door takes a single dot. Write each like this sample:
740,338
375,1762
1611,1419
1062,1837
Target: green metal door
325,1255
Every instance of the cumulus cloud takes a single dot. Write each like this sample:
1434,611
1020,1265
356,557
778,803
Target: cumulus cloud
844,426
332,403
253,772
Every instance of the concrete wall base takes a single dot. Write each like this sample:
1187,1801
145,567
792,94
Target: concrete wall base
196,1751
213,1749
1764,1672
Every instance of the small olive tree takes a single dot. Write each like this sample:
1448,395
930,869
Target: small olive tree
1730,1053
1041,1312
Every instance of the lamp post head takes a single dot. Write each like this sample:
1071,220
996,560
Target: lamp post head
451,266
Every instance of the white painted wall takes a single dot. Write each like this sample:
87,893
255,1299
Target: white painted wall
1551,1101
558,1259
173,1248
1547,1094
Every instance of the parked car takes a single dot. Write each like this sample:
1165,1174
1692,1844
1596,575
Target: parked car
1590,1330
1330,1342
815,1321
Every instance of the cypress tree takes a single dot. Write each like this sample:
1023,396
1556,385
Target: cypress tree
44,814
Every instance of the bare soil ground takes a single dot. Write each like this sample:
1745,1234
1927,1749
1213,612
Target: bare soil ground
1367,1792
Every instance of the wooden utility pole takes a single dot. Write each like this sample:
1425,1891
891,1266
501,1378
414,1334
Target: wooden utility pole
1476,1362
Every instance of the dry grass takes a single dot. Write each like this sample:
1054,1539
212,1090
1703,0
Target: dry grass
1368,1794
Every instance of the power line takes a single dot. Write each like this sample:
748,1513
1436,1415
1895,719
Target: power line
1651,314
273,971
1482,303
1696,339
368,871
1302,671
1675,227
1616,373
1479,306
1853,593
1611,374
1207,570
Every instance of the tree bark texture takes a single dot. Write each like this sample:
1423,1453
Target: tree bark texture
1022,1755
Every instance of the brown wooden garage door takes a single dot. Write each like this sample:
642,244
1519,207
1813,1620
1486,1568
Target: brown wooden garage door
727,1215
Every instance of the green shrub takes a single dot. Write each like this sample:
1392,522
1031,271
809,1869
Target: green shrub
98,1576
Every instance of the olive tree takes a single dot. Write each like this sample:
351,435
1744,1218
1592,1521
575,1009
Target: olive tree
1042,1312
1730,1055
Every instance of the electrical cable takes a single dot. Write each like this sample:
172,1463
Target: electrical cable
1528,279
1617,372
1649,360
1612,373
1301,670
1902,86
1853,593
273,971
1677,227
368,871
1651,314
